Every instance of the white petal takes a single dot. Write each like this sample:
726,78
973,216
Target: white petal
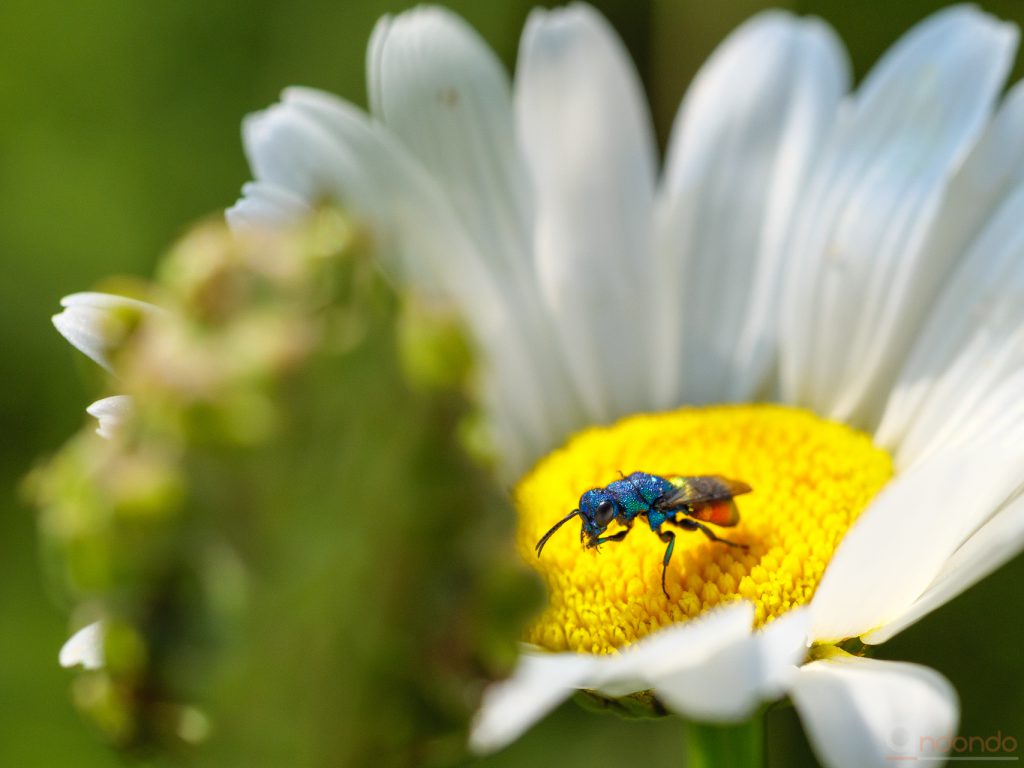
316,148
341,157
861,282
588,144
863,713
739,676
901,542
85,647
97,323
971,347
990,173
540,682
112,413
674,649
780,647
444,94
712,668
266,205
994,544
741,145
320,147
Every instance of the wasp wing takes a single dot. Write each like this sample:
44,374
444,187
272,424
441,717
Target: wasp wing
700,489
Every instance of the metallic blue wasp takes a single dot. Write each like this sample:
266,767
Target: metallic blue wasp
699,499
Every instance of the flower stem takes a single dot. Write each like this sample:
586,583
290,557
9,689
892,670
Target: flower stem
725,746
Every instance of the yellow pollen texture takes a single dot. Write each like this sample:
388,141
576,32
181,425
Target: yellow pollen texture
811,478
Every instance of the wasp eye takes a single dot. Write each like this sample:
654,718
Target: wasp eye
604,513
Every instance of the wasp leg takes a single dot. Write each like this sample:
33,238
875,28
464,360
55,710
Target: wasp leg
669,538
617,537
692,525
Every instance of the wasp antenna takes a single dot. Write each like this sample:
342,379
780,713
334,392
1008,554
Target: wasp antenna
555,527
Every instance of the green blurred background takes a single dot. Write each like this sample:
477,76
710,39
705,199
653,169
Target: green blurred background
121,127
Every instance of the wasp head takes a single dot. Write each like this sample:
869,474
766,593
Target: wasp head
598,508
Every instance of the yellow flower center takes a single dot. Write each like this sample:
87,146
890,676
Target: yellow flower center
810,478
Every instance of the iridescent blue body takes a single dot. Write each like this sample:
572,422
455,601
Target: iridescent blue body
697,499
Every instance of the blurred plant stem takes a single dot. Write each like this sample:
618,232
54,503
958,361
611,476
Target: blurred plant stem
725,746
294,559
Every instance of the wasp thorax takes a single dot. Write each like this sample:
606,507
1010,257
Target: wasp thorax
811,478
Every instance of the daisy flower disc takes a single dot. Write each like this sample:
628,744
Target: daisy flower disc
811,478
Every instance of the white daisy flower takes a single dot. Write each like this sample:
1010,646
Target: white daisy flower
854,257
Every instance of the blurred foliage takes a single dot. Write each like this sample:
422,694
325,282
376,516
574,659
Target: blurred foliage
282,521
122,124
